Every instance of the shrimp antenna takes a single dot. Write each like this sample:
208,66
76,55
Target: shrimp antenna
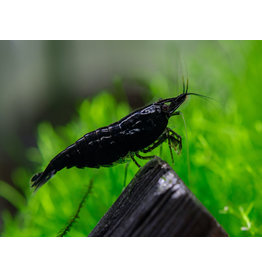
199,95
183,84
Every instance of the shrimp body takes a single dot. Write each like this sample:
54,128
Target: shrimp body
140,131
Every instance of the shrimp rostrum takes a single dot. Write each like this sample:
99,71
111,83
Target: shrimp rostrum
139,132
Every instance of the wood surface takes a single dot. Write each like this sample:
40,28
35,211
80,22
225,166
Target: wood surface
157,203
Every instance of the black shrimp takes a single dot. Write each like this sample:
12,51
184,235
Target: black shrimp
141,131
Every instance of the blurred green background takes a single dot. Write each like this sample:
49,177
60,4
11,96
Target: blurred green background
52,93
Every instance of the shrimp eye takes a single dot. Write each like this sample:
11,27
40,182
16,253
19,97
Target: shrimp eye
165,108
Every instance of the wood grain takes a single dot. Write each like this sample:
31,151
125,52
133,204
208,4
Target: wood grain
157,203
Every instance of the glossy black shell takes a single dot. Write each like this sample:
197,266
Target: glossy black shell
111,144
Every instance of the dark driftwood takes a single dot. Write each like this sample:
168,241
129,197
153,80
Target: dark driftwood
157,203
